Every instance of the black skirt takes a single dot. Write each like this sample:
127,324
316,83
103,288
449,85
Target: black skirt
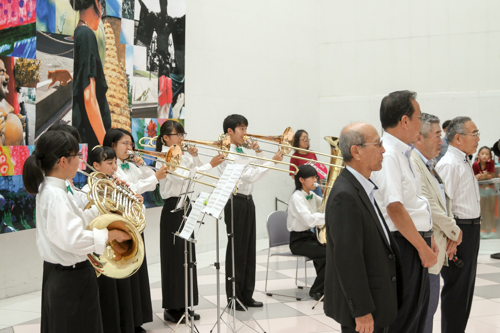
125,303
70,299
172,259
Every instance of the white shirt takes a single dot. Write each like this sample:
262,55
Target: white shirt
456,171
61,234
369,188
251,174
140,179
302,213
397,182
430,165
171,186
79,198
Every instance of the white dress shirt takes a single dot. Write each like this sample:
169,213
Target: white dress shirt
251,174
78,197
140,179
455,169
370,189
302,213
171,186
430,165
398,183
61,234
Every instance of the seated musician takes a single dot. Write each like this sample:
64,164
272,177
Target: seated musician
303,214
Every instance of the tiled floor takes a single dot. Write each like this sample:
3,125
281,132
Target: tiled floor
21,314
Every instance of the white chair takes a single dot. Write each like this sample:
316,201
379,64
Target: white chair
278,236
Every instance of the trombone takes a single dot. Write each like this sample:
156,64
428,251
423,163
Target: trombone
285,142
172,159
222,146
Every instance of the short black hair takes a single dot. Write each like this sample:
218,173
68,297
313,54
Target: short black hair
78,5
305,171
446,124
68,129
234,120
114,135
99,154
396,105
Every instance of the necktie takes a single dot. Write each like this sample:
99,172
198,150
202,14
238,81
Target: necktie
68,189
239,150
125,166
309,197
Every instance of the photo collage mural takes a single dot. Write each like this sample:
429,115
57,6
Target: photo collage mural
135,48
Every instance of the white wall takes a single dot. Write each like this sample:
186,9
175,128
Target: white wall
446,51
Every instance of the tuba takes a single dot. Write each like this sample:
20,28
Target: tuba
333,173
119,209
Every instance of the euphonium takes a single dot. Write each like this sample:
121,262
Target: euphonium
119,209
333,173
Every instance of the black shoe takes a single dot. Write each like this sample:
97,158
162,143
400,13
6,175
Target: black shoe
194,315
139,329
316,296
238,307
254,304
172,316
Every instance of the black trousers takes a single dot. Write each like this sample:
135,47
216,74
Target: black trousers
172,260
458,287
244,248
413,312
70,299
306,243
348,329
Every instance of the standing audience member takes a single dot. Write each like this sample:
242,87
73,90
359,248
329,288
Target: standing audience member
447,235
444,145
406,211
455,169
304,214
484,169
363,262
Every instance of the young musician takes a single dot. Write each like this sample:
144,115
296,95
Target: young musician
172,250
303,215
140,179
70,295
243,214
484,169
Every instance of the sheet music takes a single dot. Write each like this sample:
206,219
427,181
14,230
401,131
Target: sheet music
185,189
194,216
225,188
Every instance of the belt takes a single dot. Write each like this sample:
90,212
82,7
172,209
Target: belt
243,196
424,234
468,221
79,265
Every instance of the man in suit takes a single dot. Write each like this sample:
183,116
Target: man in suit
447,235
362,258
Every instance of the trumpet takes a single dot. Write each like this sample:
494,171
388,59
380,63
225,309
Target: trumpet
285,142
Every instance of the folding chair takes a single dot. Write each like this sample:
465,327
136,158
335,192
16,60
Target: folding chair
278,236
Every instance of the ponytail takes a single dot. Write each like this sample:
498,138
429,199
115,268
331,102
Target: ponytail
51,146
166,129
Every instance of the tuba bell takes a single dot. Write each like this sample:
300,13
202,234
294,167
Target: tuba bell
333,173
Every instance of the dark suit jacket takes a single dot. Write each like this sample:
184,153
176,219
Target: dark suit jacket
363,272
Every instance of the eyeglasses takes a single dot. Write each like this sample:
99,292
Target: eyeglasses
477,134
79,154
304,140
378,144
179,135
127,143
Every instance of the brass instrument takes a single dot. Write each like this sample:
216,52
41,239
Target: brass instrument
285,142
222,146
333,173
172,159
115,209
